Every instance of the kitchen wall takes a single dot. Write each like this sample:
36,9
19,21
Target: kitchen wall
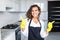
8,18
11,15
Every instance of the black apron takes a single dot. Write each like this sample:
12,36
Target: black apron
34,33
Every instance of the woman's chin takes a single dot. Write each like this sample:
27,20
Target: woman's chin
35,16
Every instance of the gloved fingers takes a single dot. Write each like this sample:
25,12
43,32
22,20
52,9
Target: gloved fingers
53,21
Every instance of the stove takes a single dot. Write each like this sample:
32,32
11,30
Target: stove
11,29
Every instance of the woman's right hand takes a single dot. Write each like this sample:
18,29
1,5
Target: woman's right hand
23,23
23,29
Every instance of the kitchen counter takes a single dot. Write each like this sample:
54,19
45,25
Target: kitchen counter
10,31
7,34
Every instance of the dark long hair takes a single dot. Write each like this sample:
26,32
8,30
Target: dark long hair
29,12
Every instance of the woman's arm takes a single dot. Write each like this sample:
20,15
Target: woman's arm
44,32
50,26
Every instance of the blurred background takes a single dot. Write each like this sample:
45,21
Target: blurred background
11,10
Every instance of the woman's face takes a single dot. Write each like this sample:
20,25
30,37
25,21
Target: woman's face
35,12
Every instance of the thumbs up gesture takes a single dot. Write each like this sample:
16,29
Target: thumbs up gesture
23,23
50,26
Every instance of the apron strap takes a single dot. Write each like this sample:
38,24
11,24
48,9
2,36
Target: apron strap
40,23
30,22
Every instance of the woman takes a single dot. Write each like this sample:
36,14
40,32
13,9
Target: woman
34,27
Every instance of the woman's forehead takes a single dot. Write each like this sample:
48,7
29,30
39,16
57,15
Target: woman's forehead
34,8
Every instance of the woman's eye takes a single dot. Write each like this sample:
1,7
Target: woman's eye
35,10
32,10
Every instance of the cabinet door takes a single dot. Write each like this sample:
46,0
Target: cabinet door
54,14
12,5
7,34
2,5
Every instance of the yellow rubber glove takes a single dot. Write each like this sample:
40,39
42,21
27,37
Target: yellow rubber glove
50,26
22,25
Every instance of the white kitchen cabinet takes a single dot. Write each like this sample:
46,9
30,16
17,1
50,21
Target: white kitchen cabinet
2,5
12,5
7,34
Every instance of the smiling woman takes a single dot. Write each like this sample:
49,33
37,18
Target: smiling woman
34,27
34,31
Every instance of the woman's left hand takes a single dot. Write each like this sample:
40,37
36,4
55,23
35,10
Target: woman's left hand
46,33
50,26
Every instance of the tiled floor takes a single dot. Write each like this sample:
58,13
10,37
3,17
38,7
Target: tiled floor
53,36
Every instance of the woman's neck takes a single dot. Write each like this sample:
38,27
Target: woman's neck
35,20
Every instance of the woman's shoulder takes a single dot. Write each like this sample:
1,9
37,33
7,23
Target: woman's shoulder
28,20
41,20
